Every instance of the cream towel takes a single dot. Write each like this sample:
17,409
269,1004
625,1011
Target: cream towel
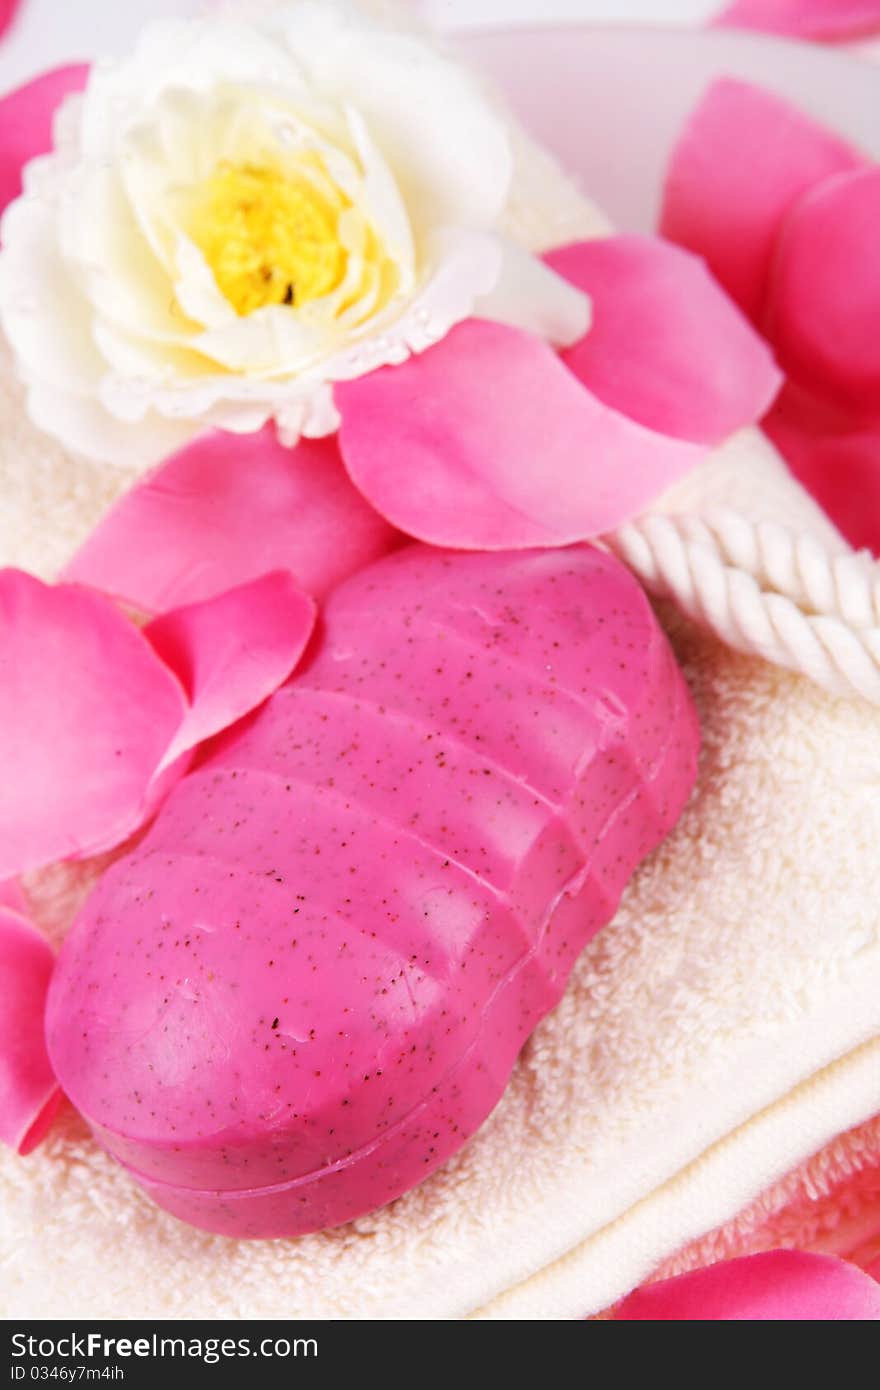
719,1031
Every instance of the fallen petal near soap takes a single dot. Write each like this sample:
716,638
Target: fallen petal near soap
87,711
29,1093
225,510
230,652
98,718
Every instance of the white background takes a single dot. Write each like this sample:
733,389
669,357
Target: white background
55,31
475,13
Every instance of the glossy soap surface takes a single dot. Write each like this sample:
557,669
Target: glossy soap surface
306,987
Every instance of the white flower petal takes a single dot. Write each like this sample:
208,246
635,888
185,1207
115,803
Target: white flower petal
308,417
369,284
302,126
448,148
467,268
125,339
321,416
382,201
195,288
271,339
119,272
147,364
213,399
529,295
189,134
238,417
82,424
199,55
145,179
44,313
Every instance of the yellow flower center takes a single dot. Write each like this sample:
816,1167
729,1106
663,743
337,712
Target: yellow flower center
269,237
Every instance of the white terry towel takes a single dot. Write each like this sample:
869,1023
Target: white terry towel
723,1028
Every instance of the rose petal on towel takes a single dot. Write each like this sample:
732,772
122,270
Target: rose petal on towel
836,457
823,305
783,1284
29,1094
487,441
231,652
805,19
656,310
226,509
86,712
26,122
743,159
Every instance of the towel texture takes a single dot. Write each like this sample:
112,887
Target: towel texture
723,1028
829,1204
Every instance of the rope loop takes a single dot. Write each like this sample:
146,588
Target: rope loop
765,590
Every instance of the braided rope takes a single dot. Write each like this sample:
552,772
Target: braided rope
767,591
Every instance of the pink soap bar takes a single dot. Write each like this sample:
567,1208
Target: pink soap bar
308,984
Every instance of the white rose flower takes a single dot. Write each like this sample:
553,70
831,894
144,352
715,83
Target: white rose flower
240,215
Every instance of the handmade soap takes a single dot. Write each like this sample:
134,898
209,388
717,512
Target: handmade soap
307,986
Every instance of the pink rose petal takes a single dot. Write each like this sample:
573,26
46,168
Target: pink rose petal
29,1094
836,457
26,122
743,160
226,509
97,718
86,713
8,11
823,305
780,1284
231,652
487,441
805,19
12,897
666,347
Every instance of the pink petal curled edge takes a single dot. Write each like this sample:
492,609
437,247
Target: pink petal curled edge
823,306
26,122
86,713
742,161
226,509
778,1284
805,19
231,652
488,442
97,718
29,1094
667,347
837,458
